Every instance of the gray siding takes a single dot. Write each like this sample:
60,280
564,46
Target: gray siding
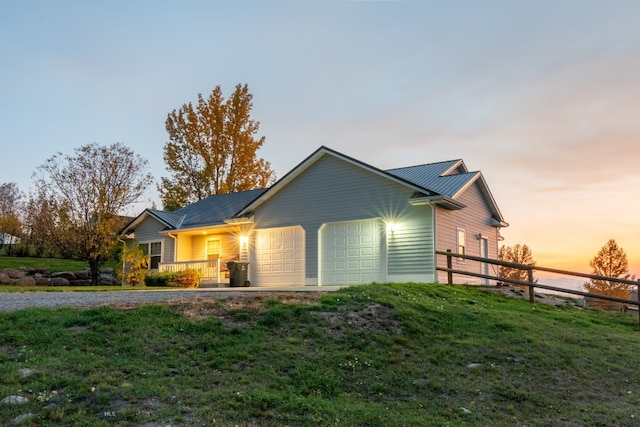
333,190
149,231
475,219
410,247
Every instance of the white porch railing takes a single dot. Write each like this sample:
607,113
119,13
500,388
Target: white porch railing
210,269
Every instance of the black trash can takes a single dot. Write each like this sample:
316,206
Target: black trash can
238,274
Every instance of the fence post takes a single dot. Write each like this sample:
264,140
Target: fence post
532,290
449,267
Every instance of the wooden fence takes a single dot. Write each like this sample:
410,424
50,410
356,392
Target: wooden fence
531,283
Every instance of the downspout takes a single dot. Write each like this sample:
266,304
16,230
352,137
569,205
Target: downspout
175,246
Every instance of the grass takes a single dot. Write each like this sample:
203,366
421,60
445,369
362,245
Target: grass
378,355
53,264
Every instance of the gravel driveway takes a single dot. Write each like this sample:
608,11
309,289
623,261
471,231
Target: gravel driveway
12,301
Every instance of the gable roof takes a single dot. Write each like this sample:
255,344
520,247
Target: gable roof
216,209
450,178
324,151
213,210
438,183
441,177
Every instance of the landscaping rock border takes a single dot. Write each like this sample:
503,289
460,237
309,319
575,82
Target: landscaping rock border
27,276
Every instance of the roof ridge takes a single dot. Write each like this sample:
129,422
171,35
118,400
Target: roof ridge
426,164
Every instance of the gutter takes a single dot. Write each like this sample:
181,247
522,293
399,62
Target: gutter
445,201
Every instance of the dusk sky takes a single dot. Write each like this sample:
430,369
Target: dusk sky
542,96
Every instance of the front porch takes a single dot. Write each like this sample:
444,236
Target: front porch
214,272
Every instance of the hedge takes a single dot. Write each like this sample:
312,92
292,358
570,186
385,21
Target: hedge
178,279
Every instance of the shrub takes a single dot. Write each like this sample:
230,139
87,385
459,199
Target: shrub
179,279
188,279
135,262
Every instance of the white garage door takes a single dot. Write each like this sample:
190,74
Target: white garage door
277,258
352,253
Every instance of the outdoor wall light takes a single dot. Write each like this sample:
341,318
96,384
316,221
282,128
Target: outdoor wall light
244,240
391,227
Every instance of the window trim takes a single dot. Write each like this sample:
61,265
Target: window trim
148,244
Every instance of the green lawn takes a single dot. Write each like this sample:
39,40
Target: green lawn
378,355
51,263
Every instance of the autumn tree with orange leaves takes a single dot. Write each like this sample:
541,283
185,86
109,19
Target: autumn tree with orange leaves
610,261
212,149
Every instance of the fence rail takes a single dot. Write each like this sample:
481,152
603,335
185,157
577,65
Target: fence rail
210,269
530,283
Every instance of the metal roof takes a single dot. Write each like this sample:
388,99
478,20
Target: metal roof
434,176
170,218
215,209
443,181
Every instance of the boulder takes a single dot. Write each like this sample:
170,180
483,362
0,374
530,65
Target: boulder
42,280
59,281
86,282
5,279
15,274
26,281
22,418
14,400
69,275
82,275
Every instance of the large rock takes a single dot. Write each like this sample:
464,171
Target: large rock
15,274
42,279
5,279
69,275
22,418
82,275
14,400
59,281
25,281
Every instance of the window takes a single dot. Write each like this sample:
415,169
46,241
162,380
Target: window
153,251
462,243
214,248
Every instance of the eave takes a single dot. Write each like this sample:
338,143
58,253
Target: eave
440,200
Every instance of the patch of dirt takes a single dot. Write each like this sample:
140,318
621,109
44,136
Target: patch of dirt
542,298
373,317
8,349
233,311
246,309
242,309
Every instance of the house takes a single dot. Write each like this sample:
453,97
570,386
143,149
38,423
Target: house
332,220
8,239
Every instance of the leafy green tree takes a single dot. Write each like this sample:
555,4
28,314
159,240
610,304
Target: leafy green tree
610,261
84,196
520,254
212,149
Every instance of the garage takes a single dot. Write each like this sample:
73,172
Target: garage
352,253
277,258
